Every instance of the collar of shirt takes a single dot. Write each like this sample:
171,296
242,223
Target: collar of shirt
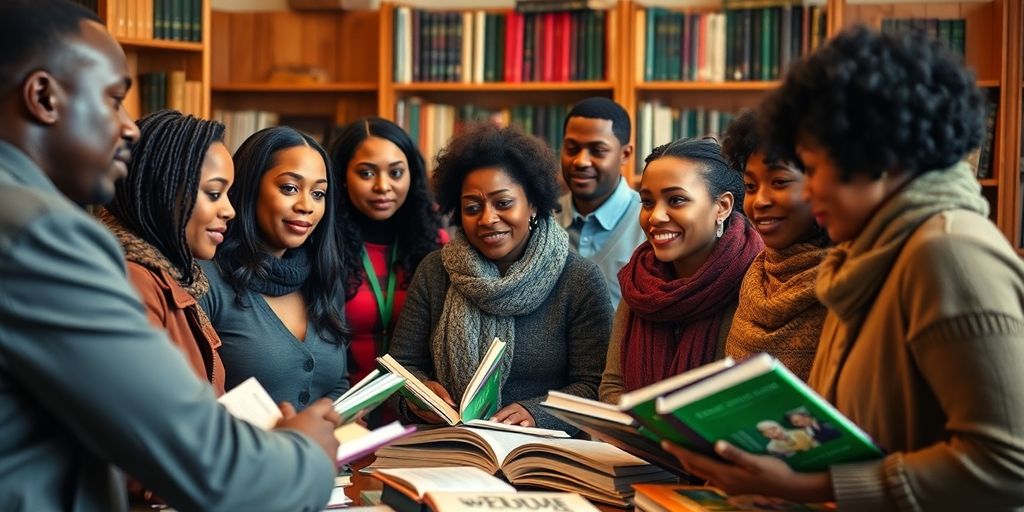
609,213
20,168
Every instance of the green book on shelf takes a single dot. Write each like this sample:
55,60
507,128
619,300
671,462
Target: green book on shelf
479,400
761,407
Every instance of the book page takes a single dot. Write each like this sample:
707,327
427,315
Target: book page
366,380
532,431
460,479
367,444
448,501
250,402
422,392
368,397
579,405
481,396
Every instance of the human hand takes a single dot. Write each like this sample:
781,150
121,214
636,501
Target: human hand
430,416
514,414
746,473
317,421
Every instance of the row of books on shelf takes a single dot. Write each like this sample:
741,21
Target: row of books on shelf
176,20
658,123
169,89
981,158
482,46
951,32
431,125
736,44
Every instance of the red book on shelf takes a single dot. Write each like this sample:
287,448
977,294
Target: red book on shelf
565,39
513,24
548,48
702,47
517,48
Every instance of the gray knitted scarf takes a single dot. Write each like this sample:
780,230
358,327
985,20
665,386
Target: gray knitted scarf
481,304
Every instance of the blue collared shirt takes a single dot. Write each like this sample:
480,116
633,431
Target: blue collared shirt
596,241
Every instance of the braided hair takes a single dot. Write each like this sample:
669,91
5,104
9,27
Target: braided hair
156,200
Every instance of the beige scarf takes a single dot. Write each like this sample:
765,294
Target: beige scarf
778,311
852,273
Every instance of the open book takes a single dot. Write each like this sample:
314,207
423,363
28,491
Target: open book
405,489
366,394
761,407
480,400
598,471
694,498
633,424
249,401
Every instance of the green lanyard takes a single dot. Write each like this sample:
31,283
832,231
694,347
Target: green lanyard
385,305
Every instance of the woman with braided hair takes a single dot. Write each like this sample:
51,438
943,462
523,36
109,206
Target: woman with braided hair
508,273
171,211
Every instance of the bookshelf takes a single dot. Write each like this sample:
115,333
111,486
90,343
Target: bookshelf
313,70
165,41
499,83
355,55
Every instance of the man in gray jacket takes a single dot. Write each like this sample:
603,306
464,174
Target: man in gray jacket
85,383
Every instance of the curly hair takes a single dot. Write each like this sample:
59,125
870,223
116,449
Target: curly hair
741,139
156,199
527,160
417,220
877,102
718,175
242,257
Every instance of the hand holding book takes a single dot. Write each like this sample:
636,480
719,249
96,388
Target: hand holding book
427,415
747,473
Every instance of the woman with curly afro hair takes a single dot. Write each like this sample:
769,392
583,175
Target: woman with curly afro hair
922,344
392,225
507,273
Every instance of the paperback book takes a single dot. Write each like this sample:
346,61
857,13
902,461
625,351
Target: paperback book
480,400
367,394
761,407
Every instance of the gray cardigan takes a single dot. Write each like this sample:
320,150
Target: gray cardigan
561,345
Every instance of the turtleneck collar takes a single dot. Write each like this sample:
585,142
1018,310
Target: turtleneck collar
380,232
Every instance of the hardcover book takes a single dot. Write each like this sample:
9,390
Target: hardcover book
480,400
597,471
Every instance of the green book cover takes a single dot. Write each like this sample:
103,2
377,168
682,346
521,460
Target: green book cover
599,28
349,406
484,404
490,46
649,49
761,407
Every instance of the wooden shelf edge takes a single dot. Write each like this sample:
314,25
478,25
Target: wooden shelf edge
707,86
988,83
288,88
504,86
161,44
989,182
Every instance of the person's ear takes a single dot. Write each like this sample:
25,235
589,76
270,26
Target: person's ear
41,96
627,151
725,204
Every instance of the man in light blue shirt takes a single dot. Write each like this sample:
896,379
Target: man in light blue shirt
601,212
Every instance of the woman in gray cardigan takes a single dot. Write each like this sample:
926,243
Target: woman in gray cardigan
506,273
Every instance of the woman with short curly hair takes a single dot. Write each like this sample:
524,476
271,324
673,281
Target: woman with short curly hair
506,273
922,344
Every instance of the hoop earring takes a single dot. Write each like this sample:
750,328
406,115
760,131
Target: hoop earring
719,228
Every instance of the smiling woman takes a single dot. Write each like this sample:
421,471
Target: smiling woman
506,273
679,290
275,290
778,311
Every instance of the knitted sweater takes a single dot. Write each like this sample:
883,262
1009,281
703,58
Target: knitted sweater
561,345
934,375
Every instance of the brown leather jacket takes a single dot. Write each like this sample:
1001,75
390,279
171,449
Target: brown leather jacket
170,307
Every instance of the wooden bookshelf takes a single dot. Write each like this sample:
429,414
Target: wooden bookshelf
355,51
125,20
296,64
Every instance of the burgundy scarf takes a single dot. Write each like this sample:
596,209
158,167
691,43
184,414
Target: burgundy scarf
659,303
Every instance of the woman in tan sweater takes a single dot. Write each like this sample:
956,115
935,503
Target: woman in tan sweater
923,344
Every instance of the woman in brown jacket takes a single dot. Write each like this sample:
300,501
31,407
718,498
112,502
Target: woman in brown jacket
170,211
